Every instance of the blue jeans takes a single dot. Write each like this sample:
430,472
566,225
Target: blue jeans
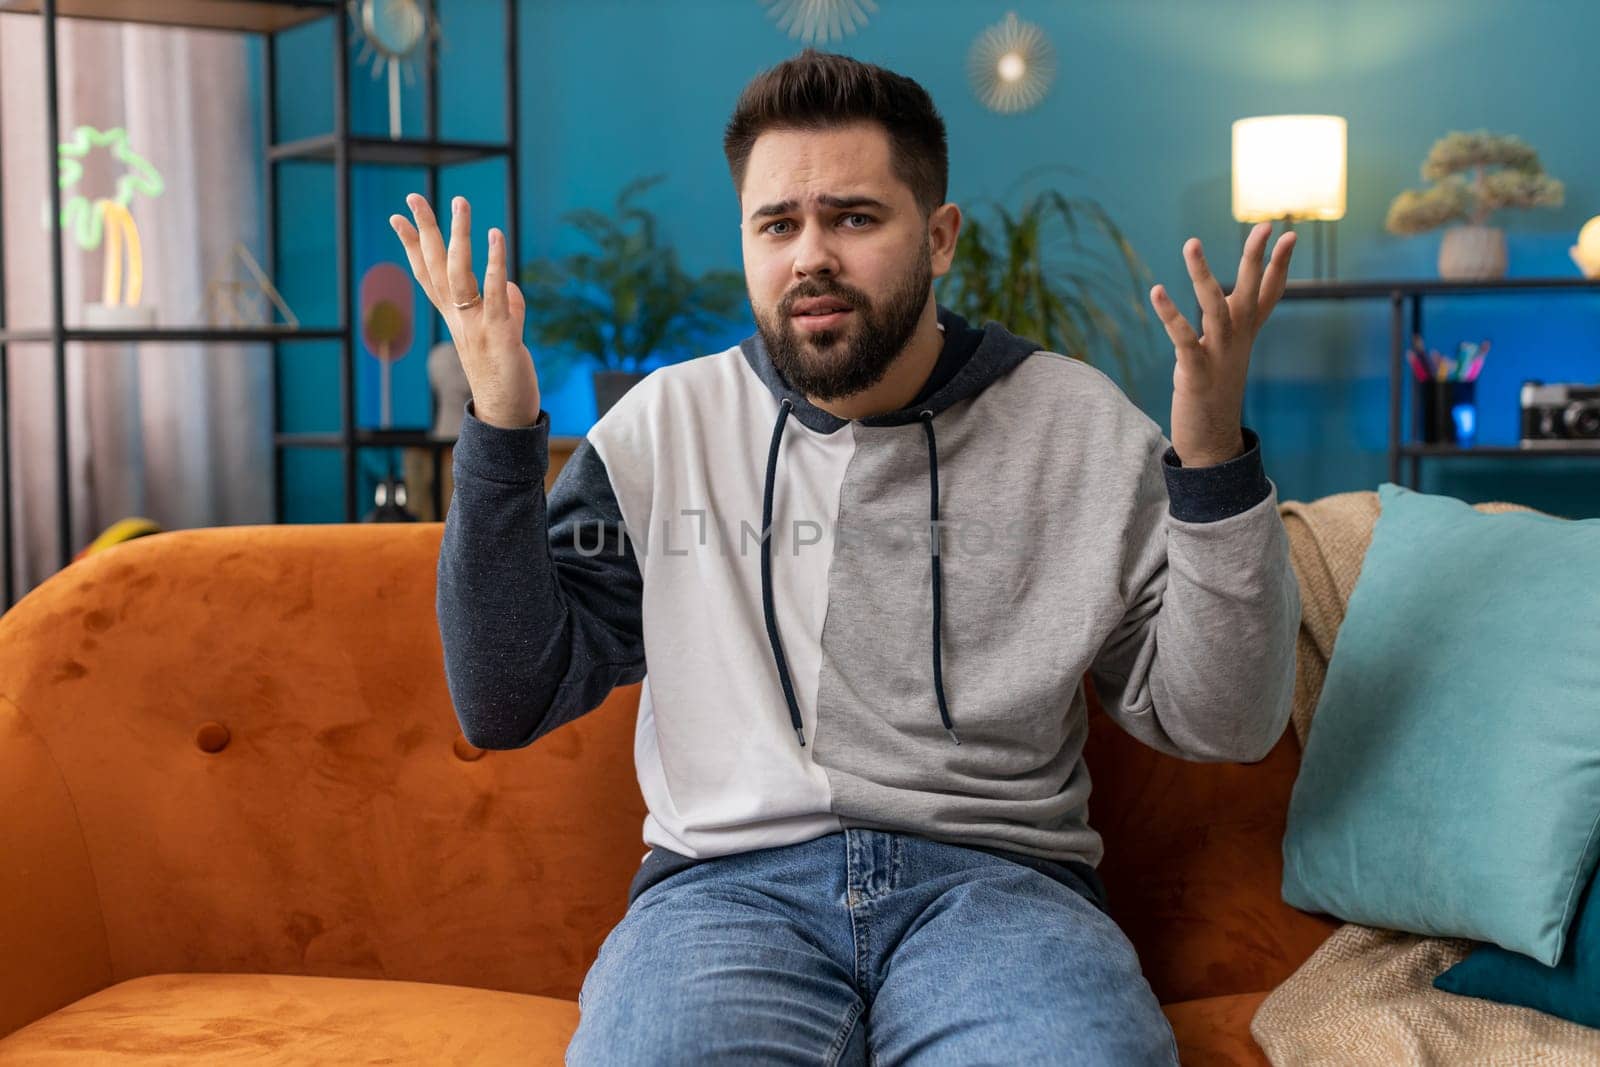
867,947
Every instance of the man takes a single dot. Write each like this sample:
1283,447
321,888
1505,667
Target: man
869,554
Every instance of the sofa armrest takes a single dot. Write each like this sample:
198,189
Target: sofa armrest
53,947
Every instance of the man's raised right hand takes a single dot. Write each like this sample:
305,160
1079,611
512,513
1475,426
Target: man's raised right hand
486,325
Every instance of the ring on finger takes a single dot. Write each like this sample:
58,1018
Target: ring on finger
474,302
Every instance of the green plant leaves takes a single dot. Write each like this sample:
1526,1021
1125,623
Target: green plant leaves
627,301
1059,271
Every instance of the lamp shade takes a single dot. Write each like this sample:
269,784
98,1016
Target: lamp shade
1289,166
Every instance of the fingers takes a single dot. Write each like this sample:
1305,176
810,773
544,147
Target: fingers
432,242
463,283
516,307
494,278
1214,319
1178,328
408,238
1242,304
1277,277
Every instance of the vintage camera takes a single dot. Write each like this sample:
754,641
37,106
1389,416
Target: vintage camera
1559,414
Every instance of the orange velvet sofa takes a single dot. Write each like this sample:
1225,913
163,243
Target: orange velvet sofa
239,823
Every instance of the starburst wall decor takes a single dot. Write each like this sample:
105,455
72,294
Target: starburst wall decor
1011,65
393,35
819,21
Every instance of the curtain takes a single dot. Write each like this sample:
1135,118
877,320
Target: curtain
179,433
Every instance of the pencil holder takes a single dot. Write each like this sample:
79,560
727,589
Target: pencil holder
1435,402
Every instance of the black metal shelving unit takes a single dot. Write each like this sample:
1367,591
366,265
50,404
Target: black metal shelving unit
1404,295
339,147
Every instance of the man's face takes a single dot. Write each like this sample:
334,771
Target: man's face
825,218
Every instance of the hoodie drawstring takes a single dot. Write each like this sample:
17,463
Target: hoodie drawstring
938,591
784,407
766,573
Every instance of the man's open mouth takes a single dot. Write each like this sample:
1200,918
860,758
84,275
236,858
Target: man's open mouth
820,308
821,320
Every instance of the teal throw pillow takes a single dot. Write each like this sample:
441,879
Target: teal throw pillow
1570,989
1450,783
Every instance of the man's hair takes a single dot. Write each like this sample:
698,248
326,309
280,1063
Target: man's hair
822,90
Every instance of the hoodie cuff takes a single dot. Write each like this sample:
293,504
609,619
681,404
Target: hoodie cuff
1208,494
500,454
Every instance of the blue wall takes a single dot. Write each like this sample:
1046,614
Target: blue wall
1141,108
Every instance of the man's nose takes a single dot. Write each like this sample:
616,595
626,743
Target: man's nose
814,255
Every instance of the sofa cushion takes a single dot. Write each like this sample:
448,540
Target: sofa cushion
1451,776
1193,861
1215,1031
254,1018
245,1018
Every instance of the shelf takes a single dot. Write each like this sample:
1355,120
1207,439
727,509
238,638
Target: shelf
267,18
375,438
365,438
403,152
1499,451
308,440
245,16
394,438
214,334
1346,290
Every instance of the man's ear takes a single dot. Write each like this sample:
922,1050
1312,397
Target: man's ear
944,226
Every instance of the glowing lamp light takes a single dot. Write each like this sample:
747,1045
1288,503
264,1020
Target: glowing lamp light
1289,167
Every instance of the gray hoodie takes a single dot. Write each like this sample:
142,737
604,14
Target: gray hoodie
849,668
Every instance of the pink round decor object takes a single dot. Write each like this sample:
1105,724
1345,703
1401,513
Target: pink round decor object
388,300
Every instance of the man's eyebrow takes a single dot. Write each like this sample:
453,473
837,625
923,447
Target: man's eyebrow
784,207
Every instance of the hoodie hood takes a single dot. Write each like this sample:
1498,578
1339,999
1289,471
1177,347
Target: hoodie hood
970,360
978,355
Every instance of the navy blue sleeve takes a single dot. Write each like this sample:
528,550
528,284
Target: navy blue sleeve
1207,494
538,600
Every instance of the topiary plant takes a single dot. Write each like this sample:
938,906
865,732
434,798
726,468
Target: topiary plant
1474,175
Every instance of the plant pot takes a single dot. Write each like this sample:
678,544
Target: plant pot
609,385
1473,253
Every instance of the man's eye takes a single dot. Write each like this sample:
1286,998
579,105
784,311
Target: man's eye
866,221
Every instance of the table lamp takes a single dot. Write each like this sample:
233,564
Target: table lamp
1291,168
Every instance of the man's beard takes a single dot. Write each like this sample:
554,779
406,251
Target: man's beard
818,363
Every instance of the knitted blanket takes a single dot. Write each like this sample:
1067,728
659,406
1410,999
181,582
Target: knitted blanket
1366,995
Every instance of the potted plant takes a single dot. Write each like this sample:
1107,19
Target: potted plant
1044,273
1474,175
626,303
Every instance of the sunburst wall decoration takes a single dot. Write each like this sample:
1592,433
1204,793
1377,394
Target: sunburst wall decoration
819,21
1011,65
393,33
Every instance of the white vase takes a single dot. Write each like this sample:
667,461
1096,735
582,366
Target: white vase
1473,253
